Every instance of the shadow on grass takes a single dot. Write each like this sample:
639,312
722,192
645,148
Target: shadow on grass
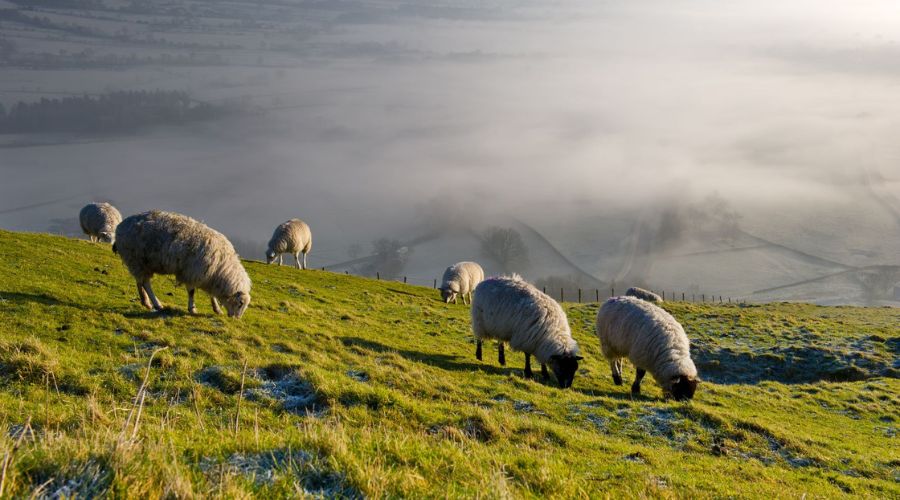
444,361
788,365
166,312
37,298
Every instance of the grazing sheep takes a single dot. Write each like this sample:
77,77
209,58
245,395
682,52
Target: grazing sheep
293,237
168,243
652,340
99,221
509,309
643,295
461,279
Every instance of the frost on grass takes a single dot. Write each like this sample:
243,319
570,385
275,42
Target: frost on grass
789,365
284,385
303,469
78,479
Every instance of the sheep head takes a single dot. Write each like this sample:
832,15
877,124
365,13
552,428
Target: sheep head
682,388
237,304
564,367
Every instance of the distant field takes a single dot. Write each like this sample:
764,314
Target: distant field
362,388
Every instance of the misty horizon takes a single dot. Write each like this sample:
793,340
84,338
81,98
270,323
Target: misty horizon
590,123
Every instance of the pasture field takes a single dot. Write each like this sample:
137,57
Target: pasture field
350,387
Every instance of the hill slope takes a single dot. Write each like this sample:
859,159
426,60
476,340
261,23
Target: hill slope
358,388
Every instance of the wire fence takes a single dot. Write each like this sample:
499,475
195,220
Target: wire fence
578,295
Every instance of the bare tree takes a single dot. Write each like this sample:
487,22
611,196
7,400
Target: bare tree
390,257
505,245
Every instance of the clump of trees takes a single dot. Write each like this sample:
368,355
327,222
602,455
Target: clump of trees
115,112
878,283
389,258
505,245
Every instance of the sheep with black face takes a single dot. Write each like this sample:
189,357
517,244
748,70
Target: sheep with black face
509,309
653,340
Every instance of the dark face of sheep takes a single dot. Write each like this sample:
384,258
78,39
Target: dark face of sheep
270,257
447,294
564,367
683,388
237,304
107,237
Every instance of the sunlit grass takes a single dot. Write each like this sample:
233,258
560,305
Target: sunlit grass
357,387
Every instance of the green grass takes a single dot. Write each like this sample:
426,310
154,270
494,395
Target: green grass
357,387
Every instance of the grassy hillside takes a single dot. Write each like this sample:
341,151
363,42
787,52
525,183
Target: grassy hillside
360,388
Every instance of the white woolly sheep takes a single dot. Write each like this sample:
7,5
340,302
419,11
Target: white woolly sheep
508,309
652,340
643,295
168,243
99,221
461,279
293,237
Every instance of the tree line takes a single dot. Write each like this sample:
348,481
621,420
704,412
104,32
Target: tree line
115,112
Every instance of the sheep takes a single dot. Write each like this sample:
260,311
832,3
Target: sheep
643,295
508,309
159,242
652,340
99,221
461,279
292,237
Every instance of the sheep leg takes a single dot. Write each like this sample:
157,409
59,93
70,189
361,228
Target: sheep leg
192,308
616,366
636,386
280,259
305,266
215,305
142,294
297,258
544,372
93,238
501,355
528,373
149,290
478,349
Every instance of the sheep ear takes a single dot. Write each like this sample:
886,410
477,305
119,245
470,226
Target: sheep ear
579,358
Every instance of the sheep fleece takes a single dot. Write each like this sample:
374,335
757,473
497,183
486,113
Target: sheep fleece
97,218
648,336
510,309
291,237
465,275
168,243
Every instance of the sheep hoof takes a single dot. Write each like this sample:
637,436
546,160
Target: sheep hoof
635,391
193,310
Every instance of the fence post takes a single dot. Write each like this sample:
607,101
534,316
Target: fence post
404,279
544,289
562,295
612,292
664,295
579,295
597,291
682,296
435,283
704,298
377,275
